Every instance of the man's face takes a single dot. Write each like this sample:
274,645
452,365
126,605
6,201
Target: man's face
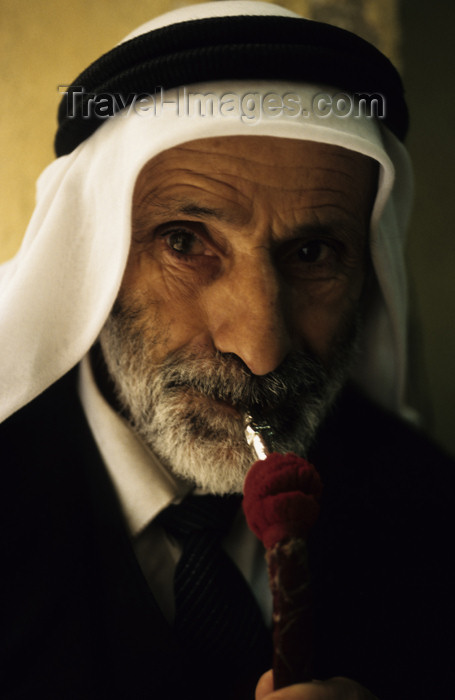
241,293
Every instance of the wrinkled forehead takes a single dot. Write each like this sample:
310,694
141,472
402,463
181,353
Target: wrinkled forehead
231,169
270,152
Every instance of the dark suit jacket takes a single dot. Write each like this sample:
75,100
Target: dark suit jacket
78,620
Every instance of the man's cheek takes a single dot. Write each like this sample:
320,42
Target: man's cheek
151,284
322,328
181,284
173,307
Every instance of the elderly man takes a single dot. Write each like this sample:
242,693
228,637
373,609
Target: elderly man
221,233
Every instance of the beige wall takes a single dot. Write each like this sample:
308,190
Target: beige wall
43,44
48,42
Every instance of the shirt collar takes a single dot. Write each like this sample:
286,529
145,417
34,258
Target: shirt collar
144,486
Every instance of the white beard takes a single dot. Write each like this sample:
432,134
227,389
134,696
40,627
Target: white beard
175,406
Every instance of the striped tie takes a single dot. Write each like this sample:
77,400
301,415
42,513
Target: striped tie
217,618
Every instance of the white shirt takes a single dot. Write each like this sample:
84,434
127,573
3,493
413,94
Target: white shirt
144,488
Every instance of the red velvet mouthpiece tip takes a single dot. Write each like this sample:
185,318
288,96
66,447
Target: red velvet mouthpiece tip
281,498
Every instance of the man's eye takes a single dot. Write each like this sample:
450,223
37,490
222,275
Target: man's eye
184,242
314,252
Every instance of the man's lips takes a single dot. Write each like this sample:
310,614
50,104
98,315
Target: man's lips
198,395
255,397
263,412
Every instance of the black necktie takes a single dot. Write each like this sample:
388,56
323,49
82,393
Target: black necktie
217,620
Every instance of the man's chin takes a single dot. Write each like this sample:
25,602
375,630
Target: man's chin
200,440
215,464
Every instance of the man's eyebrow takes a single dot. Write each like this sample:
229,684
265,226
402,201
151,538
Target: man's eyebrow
192,209
177,207
329,228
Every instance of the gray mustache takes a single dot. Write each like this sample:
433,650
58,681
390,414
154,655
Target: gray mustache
225,377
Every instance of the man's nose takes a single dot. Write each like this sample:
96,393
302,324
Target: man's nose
248,316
